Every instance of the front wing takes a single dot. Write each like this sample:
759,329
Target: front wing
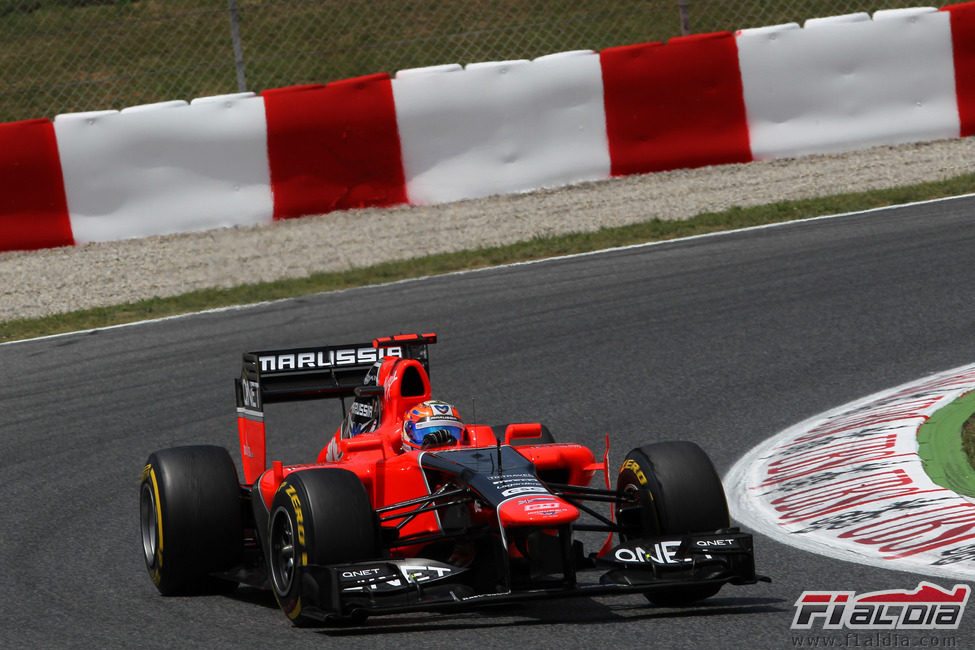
665,565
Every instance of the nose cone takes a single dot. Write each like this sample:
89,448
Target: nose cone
537,510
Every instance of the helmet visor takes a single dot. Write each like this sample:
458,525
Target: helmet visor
421,429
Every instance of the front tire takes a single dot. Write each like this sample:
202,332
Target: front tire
318,516
190,517
677,491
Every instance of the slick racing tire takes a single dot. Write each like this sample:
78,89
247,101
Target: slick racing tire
189,507
318,516
678,491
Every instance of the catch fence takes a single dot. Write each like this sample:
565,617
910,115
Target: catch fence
61,56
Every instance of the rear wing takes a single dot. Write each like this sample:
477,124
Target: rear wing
328,371
320,372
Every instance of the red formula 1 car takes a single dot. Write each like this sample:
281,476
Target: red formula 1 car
409,509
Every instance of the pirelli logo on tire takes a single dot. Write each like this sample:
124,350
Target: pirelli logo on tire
634,467
299,520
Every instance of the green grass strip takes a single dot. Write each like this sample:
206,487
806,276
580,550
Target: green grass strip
939,442
537,248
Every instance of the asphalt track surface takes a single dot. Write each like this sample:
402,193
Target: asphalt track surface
722,340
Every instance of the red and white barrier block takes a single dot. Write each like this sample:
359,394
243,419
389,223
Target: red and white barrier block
165,167
849,82
447,133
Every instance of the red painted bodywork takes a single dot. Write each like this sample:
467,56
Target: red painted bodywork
392,474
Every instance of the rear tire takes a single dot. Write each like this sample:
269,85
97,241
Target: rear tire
318,516
189,507
678,491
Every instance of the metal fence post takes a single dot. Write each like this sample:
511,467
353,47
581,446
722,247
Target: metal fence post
238,48
685,17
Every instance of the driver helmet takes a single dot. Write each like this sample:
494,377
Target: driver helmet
432,424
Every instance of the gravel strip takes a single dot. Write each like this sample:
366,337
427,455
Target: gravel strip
40,283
